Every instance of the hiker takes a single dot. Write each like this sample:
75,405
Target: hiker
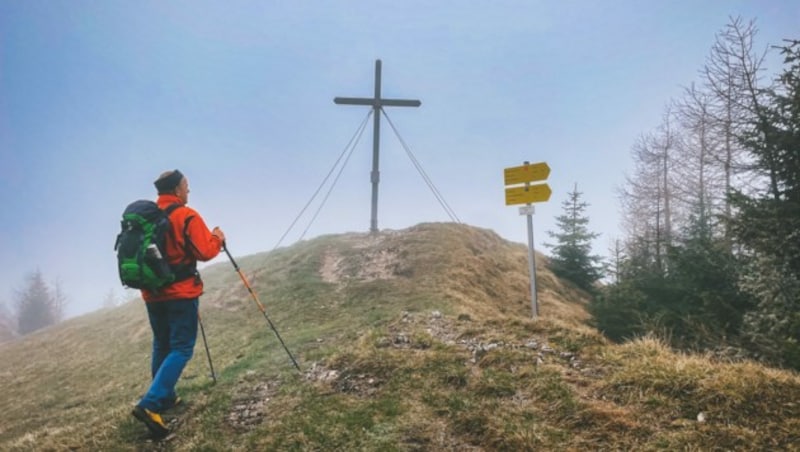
173,309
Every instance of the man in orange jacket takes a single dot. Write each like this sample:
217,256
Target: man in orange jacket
173,310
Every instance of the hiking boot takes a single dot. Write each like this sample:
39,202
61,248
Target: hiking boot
152,421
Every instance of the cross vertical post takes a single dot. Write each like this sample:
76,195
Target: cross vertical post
375,175
377,104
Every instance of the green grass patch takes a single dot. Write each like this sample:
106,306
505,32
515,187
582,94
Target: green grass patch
381,371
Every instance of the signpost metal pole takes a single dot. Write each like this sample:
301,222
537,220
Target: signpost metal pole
528,194
532,258
532,264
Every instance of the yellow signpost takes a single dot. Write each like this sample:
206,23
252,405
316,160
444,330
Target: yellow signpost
526,173
528,194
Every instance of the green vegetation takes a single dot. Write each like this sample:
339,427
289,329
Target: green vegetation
712,211
411,340
571,258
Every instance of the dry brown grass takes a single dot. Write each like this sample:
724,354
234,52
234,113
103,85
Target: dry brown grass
419,339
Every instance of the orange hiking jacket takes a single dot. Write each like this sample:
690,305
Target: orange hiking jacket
202,246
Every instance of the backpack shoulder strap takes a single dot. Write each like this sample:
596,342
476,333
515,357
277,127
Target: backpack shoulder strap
167,212
183,271
171,208
188,239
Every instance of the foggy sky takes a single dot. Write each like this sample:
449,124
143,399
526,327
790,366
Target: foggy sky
98,98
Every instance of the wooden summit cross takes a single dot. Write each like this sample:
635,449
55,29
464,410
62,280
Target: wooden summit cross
377,104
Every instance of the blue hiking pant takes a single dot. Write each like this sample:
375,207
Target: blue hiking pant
174,325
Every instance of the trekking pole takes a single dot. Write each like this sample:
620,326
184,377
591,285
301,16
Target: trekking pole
208,353
258,303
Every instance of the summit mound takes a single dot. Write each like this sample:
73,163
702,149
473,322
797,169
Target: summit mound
419,339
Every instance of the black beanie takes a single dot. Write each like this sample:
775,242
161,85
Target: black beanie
167,184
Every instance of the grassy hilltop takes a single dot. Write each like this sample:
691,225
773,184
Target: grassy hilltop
419,339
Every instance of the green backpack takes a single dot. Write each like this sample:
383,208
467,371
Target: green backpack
141,246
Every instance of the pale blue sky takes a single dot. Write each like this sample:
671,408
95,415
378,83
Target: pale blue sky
98,98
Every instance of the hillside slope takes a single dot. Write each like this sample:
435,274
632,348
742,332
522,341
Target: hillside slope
418,339
6,325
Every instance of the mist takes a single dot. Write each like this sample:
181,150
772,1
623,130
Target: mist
96,100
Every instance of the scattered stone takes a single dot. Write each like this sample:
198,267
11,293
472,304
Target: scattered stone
249,408
331,375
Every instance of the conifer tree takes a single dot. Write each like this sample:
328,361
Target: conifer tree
768,225
572,258
36,305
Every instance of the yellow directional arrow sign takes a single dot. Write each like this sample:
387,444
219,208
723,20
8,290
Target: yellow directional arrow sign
525,195
526,173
